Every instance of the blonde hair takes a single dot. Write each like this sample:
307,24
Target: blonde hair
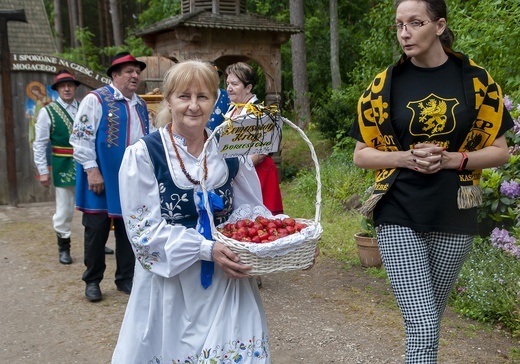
180,77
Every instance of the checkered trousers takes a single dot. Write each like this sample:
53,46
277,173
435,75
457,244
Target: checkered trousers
422,268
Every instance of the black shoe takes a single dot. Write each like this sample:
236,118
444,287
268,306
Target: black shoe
125,287
108,250
92,292
65,257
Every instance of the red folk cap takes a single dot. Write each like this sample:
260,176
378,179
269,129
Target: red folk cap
64,76
124,57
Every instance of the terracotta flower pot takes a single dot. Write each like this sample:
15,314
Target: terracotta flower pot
368,251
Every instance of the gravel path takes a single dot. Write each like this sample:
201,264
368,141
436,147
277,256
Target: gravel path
325,315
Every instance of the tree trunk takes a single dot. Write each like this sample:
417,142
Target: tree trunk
58,26
73,18
299,66
334,45
81,22
116,22
105,29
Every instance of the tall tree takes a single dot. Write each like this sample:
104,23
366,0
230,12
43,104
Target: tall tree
73,19
81,22
334,45
299,66
116,22
58,26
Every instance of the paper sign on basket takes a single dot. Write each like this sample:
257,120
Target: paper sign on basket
251,134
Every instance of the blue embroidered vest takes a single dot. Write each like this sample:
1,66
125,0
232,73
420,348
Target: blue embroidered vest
112,138
178,204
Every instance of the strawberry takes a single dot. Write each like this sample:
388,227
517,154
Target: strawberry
299,226
252,232
289,221
262,234
282,231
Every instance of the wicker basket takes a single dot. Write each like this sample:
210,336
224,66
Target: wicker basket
302,256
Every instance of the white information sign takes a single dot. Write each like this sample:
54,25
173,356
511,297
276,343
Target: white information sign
250,134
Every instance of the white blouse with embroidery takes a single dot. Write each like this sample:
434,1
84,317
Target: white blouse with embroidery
170,317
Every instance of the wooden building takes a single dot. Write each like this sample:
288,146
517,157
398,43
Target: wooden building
214,30
30,70
224,32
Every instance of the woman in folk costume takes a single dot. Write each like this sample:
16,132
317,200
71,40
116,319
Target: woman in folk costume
427,125
241,78
191,301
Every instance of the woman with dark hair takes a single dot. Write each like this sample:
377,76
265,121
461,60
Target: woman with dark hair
241,79
427,125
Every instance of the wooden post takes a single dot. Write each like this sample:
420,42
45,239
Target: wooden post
5,67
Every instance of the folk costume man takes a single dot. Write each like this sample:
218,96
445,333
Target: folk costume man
109,119
53,125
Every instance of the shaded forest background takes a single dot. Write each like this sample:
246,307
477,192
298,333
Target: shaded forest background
346,43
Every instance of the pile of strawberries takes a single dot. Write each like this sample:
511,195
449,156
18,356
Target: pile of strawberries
261,230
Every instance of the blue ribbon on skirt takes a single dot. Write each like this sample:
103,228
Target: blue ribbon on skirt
215,203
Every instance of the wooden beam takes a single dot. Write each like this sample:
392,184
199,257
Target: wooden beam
5,67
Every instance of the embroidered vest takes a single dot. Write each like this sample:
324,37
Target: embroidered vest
112,138
178,204
63,164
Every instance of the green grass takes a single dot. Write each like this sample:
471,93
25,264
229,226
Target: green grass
340,180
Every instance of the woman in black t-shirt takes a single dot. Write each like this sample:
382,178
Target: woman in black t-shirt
427,125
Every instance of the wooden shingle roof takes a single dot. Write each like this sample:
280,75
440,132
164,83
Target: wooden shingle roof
35,36
206,19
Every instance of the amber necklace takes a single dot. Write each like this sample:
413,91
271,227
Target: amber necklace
183,168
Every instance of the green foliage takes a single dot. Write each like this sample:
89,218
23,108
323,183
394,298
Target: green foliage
498,210
488,285
487,288
156,10
296,153
131,44
488,32
335,114
340,179
87,54
337,110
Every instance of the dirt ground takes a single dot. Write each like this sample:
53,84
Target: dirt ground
325,315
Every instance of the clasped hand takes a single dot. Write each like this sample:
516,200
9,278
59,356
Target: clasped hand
229,262
425,158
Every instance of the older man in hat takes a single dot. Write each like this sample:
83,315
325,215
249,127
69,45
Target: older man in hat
53,126
109,119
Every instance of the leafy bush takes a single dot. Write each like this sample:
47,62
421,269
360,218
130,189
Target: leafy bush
335,114
488,288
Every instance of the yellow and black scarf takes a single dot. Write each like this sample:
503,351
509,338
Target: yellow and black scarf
377,132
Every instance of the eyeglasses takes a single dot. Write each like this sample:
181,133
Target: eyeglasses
414,25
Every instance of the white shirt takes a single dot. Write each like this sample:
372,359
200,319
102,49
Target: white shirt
85,145
43,134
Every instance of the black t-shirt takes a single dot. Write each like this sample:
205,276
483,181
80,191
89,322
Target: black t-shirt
428,105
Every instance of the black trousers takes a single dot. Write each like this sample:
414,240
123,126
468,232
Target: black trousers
97,230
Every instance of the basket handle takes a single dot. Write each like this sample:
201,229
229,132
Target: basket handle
317,216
